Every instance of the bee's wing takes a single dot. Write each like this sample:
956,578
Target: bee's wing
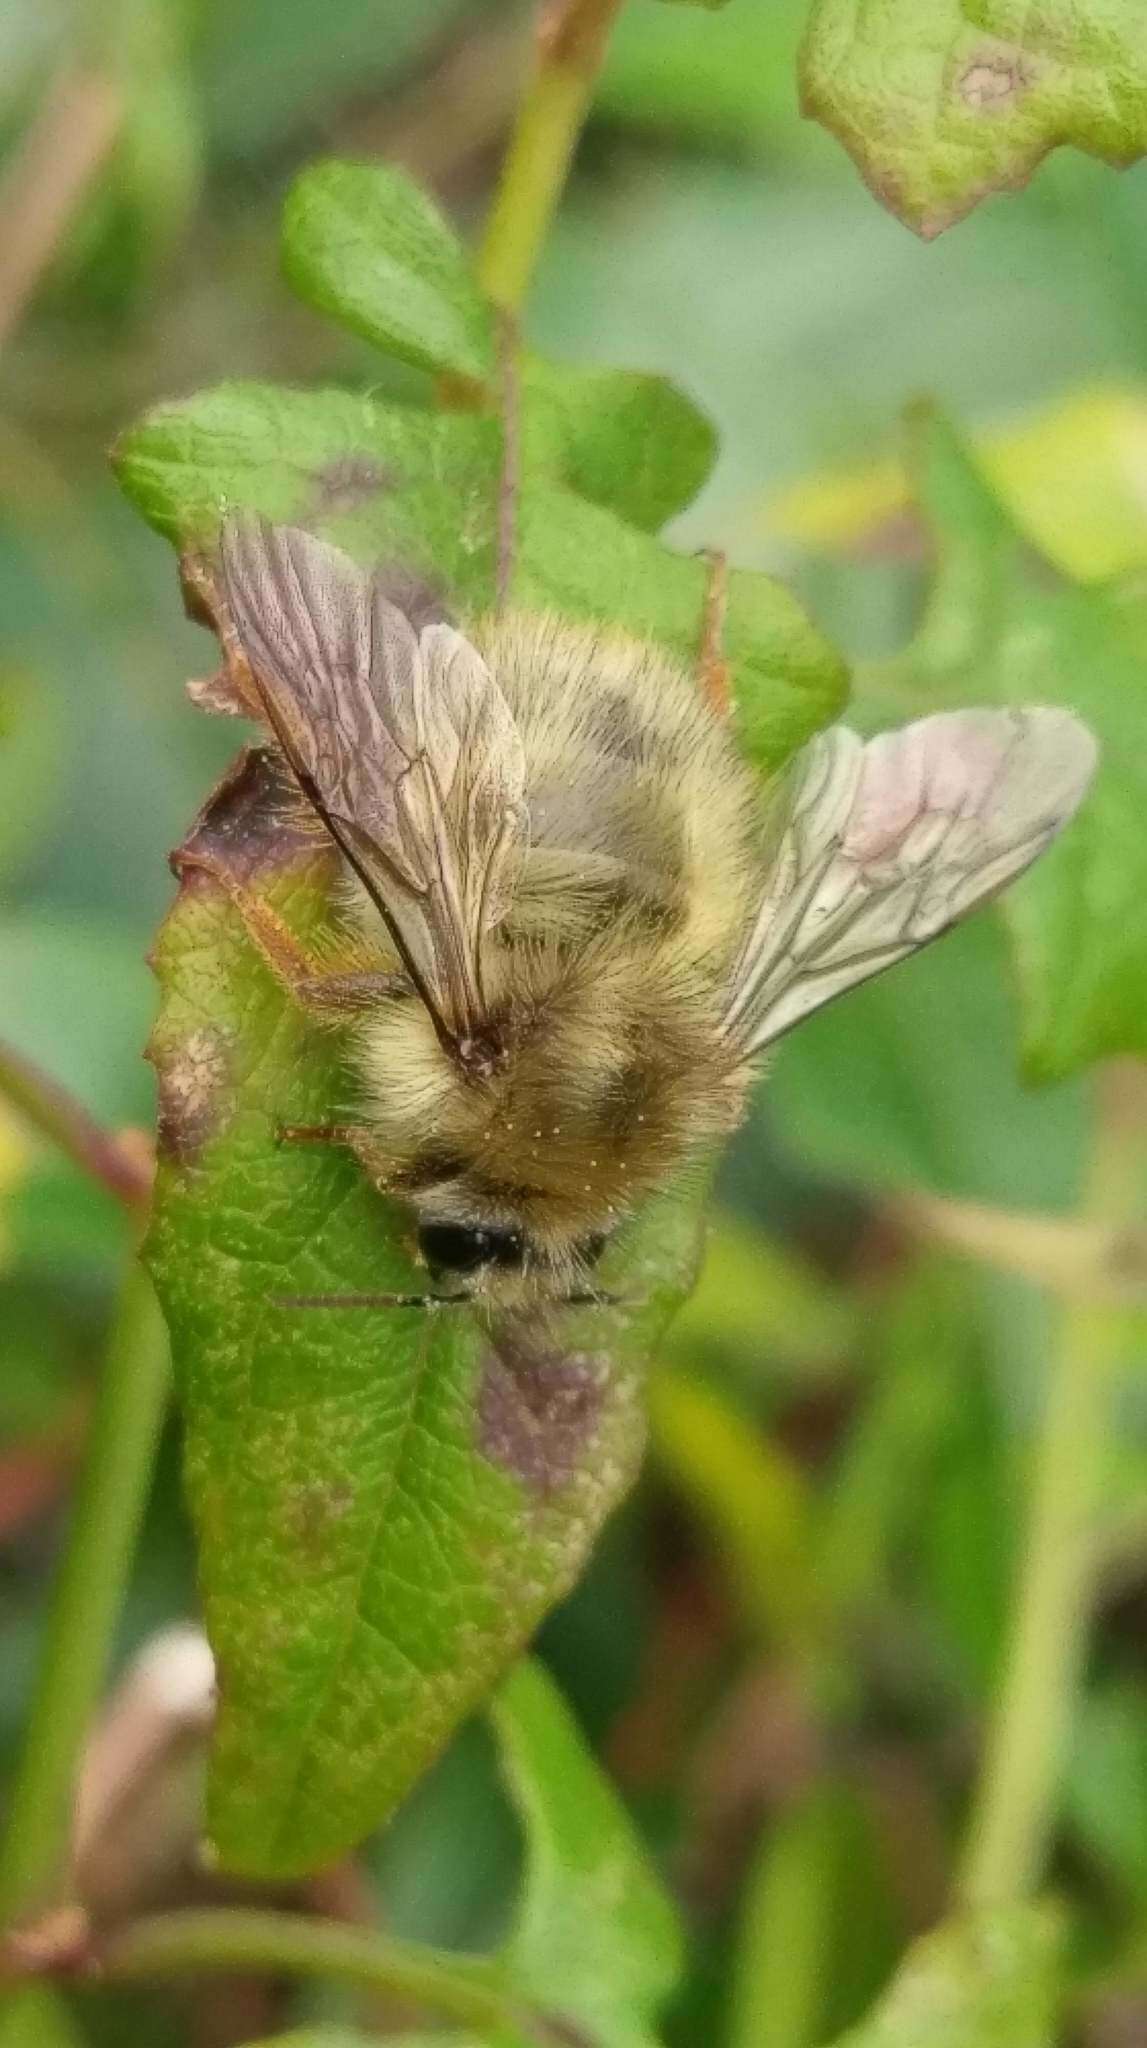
877,849
403,743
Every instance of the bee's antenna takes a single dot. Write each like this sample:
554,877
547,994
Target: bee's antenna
366,1300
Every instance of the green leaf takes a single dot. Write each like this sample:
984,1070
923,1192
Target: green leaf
913,1078
724,87
584,562
885,1476
781,1974
923,1490
596,1942
623,439
420,487
757,1297
940,104
1000,626
32,749
35,2016
365,244
991,1982
818,1930
1107,1783
273,71
345,2037
75,997
387,1502
377,479
311,1440
754,1501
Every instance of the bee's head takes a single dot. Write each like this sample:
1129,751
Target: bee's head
460,1250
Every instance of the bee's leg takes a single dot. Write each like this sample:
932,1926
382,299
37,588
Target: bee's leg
334,995
351,1135
356,1138
330,987
377,1164
368,1300
712,668
330,990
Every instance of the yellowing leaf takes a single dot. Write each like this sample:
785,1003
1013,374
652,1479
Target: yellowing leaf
1073,476
999,627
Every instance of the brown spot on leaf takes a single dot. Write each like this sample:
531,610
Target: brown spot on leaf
564,2033
192,1076
316,1511
1118,2018
538,1407
993,80
253,821
349,482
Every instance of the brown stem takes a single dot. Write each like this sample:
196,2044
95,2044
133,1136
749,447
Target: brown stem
573,32
119,1166
470,1990
60,155
1089,1257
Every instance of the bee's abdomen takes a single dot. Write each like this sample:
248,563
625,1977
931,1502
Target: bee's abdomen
640,807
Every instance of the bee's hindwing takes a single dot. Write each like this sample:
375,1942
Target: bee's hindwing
877,849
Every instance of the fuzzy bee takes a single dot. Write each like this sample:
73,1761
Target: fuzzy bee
572,926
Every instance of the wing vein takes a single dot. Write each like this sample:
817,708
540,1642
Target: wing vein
883,847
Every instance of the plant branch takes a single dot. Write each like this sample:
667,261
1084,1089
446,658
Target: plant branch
86,1602
57,1115
571,44
61,154
1099,1259
470,1990
1015,1808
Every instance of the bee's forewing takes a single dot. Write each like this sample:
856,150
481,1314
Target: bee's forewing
878,849
403,743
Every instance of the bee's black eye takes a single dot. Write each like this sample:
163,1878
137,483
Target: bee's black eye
466,1247
590,1248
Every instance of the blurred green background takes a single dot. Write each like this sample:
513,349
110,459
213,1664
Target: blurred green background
840,1433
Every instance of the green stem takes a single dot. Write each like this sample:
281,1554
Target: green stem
571,46
1015,1808
469,1990
67,1124
89,1591
786,1933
